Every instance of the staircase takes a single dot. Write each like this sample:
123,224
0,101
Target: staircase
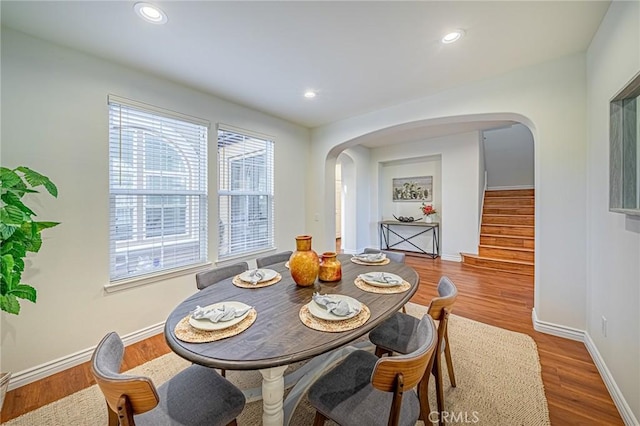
506,233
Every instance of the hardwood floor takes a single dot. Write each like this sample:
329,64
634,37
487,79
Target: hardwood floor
575,392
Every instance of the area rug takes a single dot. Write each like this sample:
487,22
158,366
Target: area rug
497,373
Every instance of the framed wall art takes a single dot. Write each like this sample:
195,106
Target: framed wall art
418,188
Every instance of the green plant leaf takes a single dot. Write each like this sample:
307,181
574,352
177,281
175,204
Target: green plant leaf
24,291
6,231
36,179
12,199
9,178
45,225
12,215
10,304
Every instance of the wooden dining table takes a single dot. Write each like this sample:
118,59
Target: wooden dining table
278,337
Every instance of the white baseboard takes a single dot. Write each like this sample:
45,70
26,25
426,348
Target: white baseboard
506,188
618,399
555,329
452,257
41,371
582,336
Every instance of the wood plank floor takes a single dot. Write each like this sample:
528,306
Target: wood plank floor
575,392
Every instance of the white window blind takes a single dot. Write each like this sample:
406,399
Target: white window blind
157,190
245,192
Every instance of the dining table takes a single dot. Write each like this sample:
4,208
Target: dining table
278,337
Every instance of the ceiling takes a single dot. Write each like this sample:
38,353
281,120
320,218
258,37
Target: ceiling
358,56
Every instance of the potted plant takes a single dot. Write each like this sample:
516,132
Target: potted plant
19,234
427,210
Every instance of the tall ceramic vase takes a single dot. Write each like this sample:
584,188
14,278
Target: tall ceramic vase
304,263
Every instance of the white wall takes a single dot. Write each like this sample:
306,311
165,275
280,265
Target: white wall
508,154
550,99
54,119
613,255
455,187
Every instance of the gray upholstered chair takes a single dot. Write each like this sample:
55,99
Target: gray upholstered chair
206,278
392,255
367,390
196,396
272,259
398,334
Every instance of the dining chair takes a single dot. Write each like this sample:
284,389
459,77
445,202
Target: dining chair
261,262
392,255
367,390
196,396
206,278
397,334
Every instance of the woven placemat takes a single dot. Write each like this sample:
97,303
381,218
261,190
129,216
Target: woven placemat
243,284
362,285
187,333
359,262
334,326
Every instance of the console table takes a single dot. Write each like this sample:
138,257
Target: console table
387,232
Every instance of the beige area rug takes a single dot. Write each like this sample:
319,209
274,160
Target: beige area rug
497,373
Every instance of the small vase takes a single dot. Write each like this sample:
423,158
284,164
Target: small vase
304,263
330,267
428,219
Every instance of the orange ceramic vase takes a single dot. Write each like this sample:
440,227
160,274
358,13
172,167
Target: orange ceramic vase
304,263
330,267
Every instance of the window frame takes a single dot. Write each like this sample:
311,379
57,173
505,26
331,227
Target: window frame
188,137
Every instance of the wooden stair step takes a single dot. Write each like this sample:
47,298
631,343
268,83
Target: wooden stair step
507,241
506,219
517,210
514,230
509,201
506,253
513,266
509,192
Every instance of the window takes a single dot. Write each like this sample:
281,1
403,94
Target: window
245,193
157,189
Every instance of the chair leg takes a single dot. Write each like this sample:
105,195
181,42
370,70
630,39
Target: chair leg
423,397
232,423
113,417
380,352
447,354
404,309
223,372
320,419
439,388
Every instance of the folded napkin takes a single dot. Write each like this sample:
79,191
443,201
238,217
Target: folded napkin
370,257
381,278
340,308
219,314
255,276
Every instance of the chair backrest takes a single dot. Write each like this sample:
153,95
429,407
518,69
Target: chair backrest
401,373
272,259
125,395
392,255
215,275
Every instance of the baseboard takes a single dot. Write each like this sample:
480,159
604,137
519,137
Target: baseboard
555,329
582,336
41,371
618,399
506,188
451,257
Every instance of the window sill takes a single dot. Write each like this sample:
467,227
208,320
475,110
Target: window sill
160,276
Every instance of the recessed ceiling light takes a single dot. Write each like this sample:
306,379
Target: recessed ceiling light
453,36
310,94
150,13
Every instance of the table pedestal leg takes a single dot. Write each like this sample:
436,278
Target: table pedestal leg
272,396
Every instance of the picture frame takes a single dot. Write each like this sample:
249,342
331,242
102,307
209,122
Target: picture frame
416,188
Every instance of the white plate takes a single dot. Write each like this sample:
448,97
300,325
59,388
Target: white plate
371,258
268,274
205,324
320,312
370,278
